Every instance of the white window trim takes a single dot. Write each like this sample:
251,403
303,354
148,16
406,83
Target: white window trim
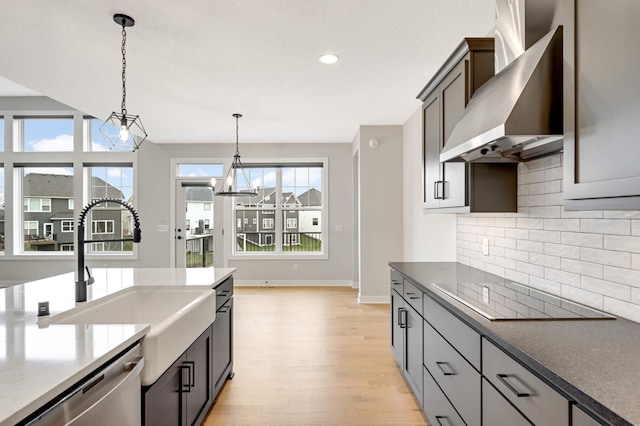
66,229
232,255
106,222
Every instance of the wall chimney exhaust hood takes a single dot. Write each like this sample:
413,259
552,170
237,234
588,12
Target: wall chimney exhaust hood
517,114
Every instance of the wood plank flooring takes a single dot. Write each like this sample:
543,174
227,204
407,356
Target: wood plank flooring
312,356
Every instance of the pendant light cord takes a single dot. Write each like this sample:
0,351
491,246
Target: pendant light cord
237,131
124,70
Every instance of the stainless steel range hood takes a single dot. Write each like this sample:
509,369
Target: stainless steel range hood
517,114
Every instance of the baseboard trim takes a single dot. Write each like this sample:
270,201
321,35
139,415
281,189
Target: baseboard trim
355,284
373,299
293,283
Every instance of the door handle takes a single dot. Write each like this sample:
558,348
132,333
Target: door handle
185,385
192,373
503,378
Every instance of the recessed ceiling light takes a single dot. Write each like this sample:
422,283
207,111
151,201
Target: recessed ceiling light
328,58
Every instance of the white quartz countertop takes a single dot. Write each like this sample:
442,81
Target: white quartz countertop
38,362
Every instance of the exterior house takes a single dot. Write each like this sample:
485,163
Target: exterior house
48,214
199,214
256,226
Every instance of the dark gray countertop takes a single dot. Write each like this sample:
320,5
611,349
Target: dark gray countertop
595,363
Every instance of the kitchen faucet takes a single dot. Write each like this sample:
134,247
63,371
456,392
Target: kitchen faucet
82,283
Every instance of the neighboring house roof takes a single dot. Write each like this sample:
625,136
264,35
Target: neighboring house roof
200,194
61,186
312,197
62,216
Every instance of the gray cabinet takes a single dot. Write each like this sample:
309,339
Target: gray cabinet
398,320
222,336
183,394
525,391
461,187
437,407
497,410
412,365
579,417
601,107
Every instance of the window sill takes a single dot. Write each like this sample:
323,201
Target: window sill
270,256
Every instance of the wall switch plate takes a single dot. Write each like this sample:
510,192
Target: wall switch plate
485,295
162,228
485,246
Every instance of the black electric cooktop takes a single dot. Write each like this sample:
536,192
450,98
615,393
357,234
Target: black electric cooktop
510,301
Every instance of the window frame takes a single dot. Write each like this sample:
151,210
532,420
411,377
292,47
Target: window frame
13,158
279,227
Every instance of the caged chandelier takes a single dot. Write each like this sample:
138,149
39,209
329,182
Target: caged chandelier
231,179
123,131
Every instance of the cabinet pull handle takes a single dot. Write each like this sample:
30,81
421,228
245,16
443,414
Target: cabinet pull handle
192,373
443,183
396,282
450,372
402,319
414,297
435,190
184,384
503,379
438,418
409,293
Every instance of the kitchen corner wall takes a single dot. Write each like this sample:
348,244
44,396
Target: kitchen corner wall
591,257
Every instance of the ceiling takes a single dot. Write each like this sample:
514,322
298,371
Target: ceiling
191,65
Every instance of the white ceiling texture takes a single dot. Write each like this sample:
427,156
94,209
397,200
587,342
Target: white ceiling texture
191,64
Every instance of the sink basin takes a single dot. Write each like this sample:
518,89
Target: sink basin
177,316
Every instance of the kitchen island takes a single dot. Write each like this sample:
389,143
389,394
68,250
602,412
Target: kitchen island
591,363
38,361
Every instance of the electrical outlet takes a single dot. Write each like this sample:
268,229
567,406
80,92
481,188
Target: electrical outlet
485,246
295,266
485,295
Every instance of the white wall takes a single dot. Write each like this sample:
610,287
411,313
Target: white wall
591,257
379,208
427,236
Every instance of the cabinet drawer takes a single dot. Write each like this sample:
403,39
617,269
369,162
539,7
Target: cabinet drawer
397,282
413,295
437,407
224,291
456,377
497,410
534,398
581,418
458,334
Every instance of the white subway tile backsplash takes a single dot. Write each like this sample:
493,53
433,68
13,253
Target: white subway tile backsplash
614,242
606,226
582,268
582,239
569,225
606,257
562,277
544,236
531,246
562,250
622,276
592,257
606,288
527,223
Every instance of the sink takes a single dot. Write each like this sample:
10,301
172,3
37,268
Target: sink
176,315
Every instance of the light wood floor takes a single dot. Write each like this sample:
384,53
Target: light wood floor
312,356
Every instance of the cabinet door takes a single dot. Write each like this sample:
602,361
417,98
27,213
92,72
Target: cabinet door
398,318
431,134
437,407
581,418
498,411
200,383
222,345
602,129
413,350
164,401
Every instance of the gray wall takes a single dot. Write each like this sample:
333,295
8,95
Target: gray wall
379,208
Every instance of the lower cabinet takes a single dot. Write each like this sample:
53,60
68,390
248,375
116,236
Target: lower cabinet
222,331
437,407
184,393
412,365
497,410
397,327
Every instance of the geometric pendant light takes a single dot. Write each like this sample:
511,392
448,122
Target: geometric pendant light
123,131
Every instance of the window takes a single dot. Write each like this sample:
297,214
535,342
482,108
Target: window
1,134
206,224
45,194
200,170
293,197
187,225
66,247
207,206
70,204
66,226
37,204
43,134
2,207
254,221
48,230
239,223
102,226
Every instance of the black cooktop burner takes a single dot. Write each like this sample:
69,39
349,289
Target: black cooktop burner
510,301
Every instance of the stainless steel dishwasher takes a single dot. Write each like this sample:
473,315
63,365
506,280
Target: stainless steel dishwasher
110,396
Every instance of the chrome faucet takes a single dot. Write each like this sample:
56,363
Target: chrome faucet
81,282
